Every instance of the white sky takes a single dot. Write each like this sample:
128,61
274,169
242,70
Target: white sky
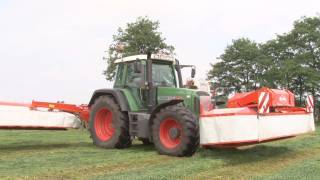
52,50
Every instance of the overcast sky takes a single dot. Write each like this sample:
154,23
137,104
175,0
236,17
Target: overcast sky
52,50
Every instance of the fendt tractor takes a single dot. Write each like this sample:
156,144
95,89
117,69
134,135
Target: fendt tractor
148,102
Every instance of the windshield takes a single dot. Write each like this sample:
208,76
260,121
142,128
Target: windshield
163,75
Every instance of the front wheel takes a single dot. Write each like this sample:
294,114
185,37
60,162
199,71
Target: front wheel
175,131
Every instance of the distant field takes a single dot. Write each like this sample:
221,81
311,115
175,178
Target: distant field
70,154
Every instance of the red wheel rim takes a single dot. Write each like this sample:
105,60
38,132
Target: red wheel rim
103,124
166,139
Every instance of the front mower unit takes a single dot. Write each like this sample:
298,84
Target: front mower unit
255,117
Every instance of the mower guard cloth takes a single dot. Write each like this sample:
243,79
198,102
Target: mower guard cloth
233,127
19,117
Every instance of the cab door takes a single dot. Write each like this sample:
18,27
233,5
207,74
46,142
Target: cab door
133,82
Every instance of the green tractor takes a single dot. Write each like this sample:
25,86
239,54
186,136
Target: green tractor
148,102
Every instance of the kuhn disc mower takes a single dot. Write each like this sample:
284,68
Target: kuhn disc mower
254,117
148,102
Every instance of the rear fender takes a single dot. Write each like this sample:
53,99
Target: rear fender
160,106
115,93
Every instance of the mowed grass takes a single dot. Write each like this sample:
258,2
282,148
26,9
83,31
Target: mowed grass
71,155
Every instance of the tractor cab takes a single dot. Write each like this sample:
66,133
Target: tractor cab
150,81
135,71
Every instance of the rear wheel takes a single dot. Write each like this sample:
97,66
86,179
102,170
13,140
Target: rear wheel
108,126
175,131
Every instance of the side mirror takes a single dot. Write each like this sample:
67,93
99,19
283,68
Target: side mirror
193,71
137,66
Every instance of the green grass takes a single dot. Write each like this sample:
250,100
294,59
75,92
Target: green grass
71,155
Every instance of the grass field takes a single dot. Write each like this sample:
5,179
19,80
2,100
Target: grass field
71,155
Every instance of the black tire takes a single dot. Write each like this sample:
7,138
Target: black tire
188,134
119,137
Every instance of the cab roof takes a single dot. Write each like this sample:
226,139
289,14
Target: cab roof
160,57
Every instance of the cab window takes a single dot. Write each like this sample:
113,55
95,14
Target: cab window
118,80
133,79
163,75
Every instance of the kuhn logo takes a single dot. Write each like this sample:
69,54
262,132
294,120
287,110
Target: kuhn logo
282,98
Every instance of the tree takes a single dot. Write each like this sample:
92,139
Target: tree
296,57
139,37
306,43
238,69
290,61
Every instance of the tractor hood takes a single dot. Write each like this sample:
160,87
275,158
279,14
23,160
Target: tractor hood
190,97
170,93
